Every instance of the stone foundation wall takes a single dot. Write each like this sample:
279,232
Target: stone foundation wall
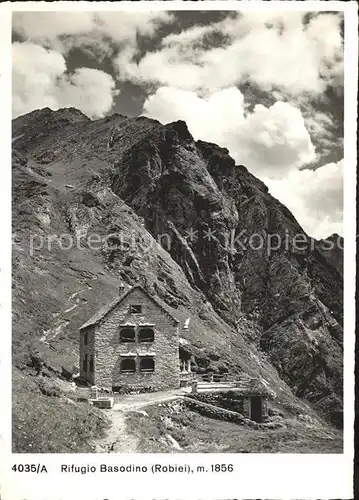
265,411
109,350
246,408
232,401
226,399
209,410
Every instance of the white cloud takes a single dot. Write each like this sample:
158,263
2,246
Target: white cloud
34,72
270,141
315,197
124,26
319,123
64,30
48,25
273,51
89,90
40,80
276,139
324,29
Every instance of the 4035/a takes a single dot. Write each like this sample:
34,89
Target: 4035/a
222,467
37,468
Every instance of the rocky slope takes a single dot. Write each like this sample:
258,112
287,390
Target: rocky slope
198,231
332,249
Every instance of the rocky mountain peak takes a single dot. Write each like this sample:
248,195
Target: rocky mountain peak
59,116
332,249
178,132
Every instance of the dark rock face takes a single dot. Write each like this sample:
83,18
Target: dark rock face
332,250
262,299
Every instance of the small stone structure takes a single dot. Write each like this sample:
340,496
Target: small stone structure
254,398
104,403
132,342
249,396
255,407
100,402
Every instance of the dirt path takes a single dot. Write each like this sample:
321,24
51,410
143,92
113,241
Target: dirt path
118,439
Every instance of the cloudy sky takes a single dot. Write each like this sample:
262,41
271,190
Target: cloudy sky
268,86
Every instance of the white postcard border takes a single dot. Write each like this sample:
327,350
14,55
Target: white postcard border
256,475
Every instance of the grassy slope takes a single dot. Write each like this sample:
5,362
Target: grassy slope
45,423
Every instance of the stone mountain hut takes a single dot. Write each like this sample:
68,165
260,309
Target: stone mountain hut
132,342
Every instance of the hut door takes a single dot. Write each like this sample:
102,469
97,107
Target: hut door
256,408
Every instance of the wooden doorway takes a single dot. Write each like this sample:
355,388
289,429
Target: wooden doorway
256,408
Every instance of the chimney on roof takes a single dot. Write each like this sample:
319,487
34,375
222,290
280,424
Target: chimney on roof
121,289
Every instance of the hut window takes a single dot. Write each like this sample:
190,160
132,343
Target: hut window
84,363
147,364
128,365
146,334
135,309
86,338
127,334
91,364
